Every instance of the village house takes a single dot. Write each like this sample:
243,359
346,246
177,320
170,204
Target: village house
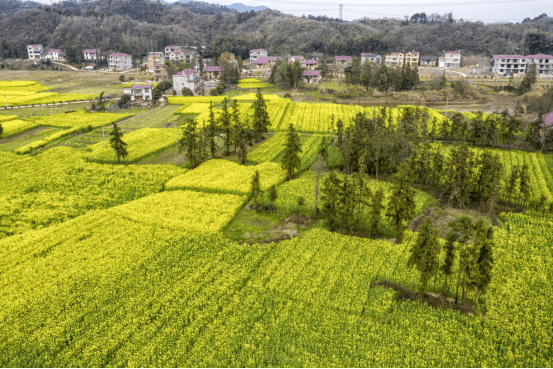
292,59
170,49
371,58
263,65
119,61
139,92
503,64
35,52
187,78
91,54
396,59
543,63
311,76
340,65
428,61
184,56
55,54
159,72
213,73
311,64
91,66
451,59
256,54
153,59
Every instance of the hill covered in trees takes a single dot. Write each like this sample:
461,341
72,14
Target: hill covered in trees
139,26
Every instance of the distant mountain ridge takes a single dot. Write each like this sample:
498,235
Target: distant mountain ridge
13,6
241,8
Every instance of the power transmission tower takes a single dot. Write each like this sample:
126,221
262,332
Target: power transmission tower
341,7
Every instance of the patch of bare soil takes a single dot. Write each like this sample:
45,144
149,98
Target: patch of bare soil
431,299
30,132
285,230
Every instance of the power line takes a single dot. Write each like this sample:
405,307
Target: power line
403,5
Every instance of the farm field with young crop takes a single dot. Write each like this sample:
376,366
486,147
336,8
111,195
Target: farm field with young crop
135,265
223,176
141,144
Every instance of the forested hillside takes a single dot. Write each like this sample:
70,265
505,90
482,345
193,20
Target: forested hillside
139,26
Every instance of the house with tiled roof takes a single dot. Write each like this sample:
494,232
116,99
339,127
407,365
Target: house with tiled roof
311,64
451,59
256,54
119,61
184,56
91,54
55,54
428,60
311,76
213,73
139,92
262,66
396,59
543,63
371,58
341,62
155,58
170,49
188,78
36,52
300,58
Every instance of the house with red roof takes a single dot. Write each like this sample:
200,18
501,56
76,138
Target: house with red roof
256,54
184,56
139,92
91,66
155,58
311,76
91,54
543,63
311,64
300,58
188,78
170,49
119,61
451,59
35,52
213,73
55,54
341,62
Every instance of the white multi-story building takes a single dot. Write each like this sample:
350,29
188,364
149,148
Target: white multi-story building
451,59
139,92
91,54
256,54
502,64
120,61
543,63
35,52
371,58
188,78
55,54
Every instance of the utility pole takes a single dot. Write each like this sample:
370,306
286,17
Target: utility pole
341,6
176,137
104,135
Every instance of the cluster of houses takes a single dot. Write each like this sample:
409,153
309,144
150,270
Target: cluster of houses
260,64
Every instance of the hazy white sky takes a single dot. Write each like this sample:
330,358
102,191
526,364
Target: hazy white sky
484,10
